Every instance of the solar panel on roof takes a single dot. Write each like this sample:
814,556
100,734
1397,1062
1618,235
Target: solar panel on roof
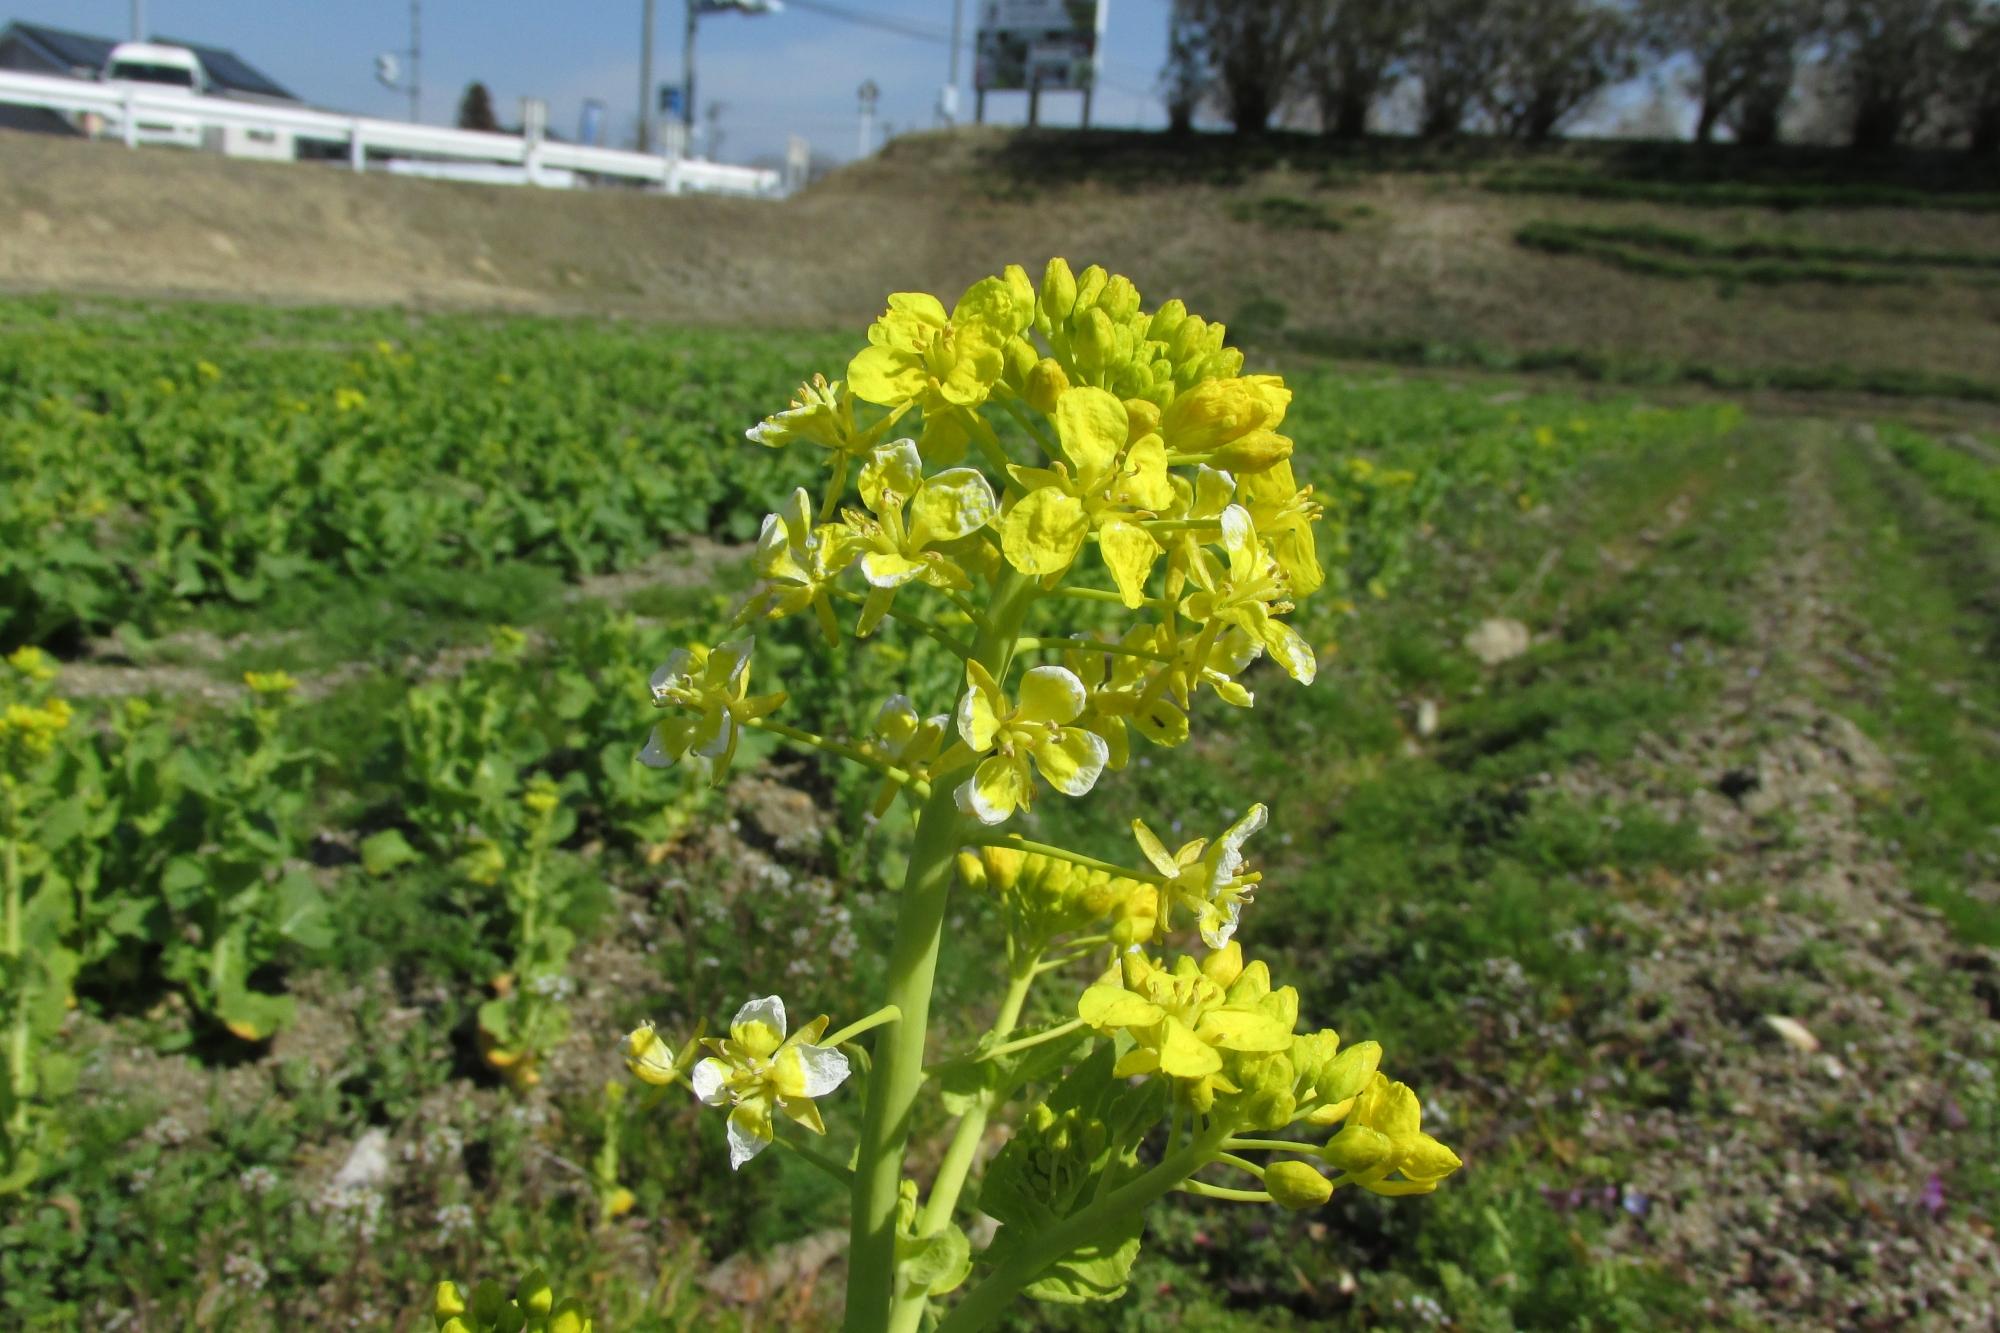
228,70
75,49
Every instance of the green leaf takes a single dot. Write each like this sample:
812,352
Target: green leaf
253,1015
383,852
935,1264
962,1081
301,914
1083,1143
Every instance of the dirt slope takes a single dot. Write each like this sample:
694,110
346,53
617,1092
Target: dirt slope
1426,255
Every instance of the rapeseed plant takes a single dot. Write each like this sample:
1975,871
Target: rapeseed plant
1043,420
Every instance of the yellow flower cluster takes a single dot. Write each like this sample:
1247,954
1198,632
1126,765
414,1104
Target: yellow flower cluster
1032,424
31,729
1225,1041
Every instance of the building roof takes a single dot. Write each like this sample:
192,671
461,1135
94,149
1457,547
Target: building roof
82,56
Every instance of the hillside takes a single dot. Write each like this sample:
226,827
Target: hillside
1344,253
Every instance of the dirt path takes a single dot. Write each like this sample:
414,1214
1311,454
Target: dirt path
1810,1024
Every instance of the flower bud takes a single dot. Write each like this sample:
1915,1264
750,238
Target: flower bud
1259,451
1023,293
1166,319
1186,345
1003,867
1058,296
1296,1185
1137,918
649,1058
1120,298
535,1295
1045,384
1094,341
1021,356
1142,419
448,1301
1090,285
488,1303
1225,965
1357,1149
1348,1073
971,871
1224,363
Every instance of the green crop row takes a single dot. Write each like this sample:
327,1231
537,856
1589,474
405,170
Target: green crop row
1610,368
1545,234
1951,472
1665,253
1739,194
151,463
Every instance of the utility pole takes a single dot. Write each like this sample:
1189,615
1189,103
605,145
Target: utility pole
687,78
951,84
646,77
138,20
868,94
416,59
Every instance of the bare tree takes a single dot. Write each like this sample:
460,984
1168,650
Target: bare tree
1250,50
1554,57
1895,60
1745,55
1978,91
1184,80
1452,51
1350,59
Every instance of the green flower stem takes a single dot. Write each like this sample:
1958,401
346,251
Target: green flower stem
888,1013
836,488
1105,595
1271,1145
898,1074
1065,854
1207,1191
853,753
1027,1043
992,1298
989,443
1231,1159
957,1163
1092,646
817,1158
965,607
1027,423
956,645
10,947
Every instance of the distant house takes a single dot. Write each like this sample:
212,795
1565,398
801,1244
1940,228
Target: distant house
35,48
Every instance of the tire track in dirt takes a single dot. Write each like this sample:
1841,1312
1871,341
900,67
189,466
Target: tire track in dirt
1797,1176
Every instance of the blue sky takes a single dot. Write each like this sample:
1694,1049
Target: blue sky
789,73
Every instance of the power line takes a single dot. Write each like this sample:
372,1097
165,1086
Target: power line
900,27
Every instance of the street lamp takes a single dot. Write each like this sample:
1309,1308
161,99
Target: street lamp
695,9
869,94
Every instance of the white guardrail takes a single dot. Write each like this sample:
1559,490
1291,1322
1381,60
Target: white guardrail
542,161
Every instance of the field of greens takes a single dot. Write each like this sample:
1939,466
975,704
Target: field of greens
335,885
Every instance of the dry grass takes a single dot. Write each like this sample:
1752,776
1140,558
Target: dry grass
1424,252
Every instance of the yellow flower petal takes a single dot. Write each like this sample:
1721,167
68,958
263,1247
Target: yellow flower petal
1043,532
1129,552
1108,1007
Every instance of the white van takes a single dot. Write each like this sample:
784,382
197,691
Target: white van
156,73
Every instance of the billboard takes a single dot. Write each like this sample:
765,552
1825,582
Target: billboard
1046,44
